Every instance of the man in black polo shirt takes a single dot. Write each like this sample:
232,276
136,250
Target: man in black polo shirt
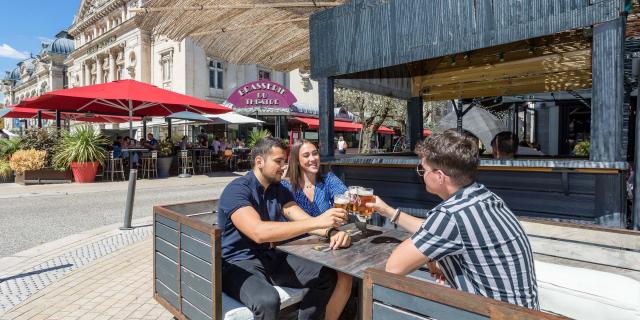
252,211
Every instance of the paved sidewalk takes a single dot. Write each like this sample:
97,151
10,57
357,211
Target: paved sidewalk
104,273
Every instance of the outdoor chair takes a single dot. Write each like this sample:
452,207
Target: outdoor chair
186,161
391,296
112,167
150,164
204,161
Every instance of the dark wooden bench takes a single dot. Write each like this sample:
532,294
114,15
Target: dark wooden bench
187,277
390,296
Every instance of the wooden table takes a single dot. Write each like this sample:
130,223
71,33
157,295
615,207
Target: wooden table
371,251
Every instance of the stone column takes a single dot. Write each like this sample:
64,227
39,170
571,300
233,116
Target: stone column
98,69
112,66
86,75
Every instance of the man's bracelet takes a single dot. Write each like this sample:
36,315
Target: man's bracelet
395,216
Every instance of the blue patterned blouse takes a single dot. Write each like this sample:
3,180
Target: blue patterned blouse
322,196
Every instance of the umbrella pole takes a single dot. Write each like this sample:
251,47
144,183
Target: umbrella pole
130,121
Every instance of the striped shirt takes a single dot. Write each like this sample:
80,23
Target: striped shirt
323,194
480,247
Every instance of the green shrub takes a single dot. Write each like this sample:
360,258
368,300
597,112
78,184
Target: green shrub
41,139
257,135
582,148
9,146
5,169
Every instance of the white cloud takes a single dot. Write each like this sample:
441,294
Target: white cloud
6,51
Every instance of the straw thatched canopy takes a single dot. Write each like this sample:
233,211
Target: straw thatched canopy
266,32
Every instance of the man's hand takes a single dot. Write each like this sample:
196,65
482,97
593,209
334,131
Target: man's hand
381,207
435,271
339,239
331,218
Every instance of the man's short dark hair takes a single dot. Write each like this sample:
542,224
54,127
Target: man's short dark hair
455,153
505,142
263,146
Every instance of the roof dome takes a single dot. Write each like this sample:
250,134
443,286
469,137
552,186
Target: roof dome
63,44
13,75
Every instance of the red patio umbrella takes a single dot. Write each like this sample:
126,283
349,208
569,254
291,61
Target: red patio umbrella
125,98
28,113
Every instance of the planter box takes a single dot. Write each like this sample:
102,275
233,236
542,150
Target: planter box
44,176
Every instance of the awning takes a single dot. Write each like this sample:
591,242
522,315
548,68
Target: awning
344,126
232,118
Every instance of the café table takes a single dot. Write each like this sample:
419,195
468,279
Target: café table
366,251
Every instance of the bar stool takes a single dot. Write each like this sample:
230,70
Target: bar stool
204,161
150,164
186,162
112,167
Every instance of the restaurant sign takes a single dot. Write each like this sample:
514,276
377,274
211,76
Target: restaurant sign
262,94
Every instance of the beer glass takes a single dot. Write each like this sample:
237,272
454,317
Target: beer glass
341,201
363,214
353,199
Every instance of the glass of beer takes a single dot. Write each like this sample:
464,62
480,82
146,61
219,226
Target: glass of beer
365,195
353,199
341,201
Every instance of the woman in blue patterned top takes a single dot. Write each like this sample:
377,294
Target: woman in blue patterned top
314,193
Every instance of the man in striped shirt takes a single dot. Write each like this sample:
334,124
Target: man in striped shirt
471,240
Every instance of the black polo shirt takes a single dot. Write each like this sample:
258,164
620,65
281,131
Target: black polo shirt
242,192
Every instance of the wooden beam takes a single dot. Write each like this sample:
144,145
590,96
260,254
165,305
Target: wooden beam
550,79
549,63
511,90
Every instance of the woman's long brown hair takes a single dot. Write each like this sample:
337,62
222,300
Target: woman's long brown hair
294,173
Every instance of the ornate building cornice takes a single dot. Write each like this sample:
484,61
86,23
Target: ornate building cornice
87,18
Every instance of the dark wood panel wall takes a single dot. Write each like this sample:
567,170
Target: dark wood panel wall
374,34
608,91
564,195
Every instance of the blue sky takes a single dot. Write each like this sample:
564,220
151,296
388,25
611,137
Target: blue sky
25,25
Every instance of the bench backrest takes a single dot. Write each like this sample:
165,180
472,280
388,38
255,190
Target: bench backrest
390,296
186,264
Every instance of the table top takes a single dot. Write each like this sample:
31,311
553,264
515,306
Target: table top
367,252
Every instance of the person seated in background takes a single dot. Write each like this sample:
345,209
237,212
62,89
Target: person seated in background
117,147
314,193
471,240
151,141
184,143
526,149
239,143
255,211
504,145
217,145
203,139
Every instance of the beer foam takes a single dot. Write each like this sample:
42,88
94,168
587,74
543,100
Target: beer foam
362,192
341,201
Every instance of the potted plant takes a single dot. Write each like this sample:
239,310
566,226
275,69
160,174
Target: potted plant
165,157
7,148
6,173
582,148
83,151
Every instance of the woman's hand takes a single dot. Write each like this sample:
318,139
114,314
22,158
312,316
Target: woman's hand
381,207
339,239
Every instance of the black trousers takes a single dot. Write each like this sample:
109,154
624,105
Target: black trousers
251,282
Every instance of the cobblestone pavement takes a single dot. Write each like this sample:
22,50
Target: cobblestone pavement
118,286
18,287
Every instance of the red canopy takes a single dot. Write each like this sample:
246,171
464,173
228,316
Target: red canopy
26,113
345,126
123,97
